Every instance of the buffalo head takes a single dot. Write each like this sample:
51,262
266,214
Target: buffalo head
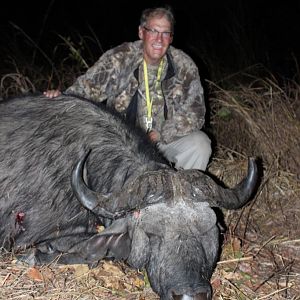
164,221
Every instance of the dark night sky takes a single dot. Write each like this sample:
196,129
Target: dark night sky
267,31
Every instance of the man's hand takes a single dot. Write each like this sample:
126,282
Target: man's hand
52,93
153,136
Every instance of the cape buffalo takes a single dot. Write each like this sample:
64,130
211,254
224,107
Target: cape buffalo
155,217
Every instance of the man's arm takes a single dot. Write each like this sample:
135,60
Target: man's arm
99,80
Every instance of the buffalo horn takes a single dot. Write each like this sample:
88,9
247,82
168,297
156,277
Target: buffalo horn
148,188
206,189
96,202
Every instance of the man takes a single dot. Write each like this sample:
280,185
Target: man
156,87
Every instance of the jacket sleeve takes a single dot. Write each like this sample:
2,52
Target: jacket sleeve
99,82
186,103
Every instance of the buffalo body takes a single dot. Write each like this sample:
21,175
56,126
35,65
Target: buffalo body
155,217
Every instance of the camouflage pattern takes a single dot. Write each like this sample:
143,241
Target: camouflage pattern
113,78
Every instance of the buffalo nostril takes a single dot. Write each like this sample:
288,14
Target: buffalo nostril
200,296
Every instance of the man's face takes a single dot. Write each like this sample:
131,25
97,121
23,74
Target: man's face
156,36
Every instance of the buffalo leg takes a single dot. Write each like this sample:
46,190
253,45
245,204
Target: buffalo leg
35,257
79,249
54,250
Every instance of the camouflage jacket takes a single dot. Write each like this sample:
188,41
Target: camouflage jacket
115,78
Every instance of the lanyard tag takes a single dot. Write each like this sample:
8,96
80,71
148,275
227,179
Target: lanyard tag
148,122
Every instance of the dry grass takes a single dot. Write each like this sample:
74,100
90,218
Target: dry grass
261,250
14,84
260,119
108,281
261,247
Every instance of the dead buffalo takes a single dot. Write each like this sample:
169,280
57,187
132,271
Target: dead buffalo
155,217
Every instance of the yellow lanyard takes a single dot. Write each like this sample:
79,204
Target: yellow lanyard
149,101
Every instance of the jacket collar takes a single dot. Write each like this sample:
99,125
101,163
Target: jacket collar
171,69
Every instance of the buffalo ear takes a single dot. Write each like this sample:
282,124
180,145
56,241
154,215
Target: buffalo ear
140,249
118,241
111,242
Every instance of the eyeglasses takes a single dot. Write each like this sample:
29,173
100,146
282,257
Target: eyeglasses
155,33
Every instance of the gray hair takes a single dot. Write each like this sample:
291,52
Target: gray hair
160,12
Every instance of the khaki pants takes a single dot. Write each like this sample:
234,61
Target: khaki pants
189,152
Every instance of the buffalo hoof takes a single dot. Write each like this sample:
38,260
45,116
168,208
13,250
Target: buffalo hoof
34,257
29,258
